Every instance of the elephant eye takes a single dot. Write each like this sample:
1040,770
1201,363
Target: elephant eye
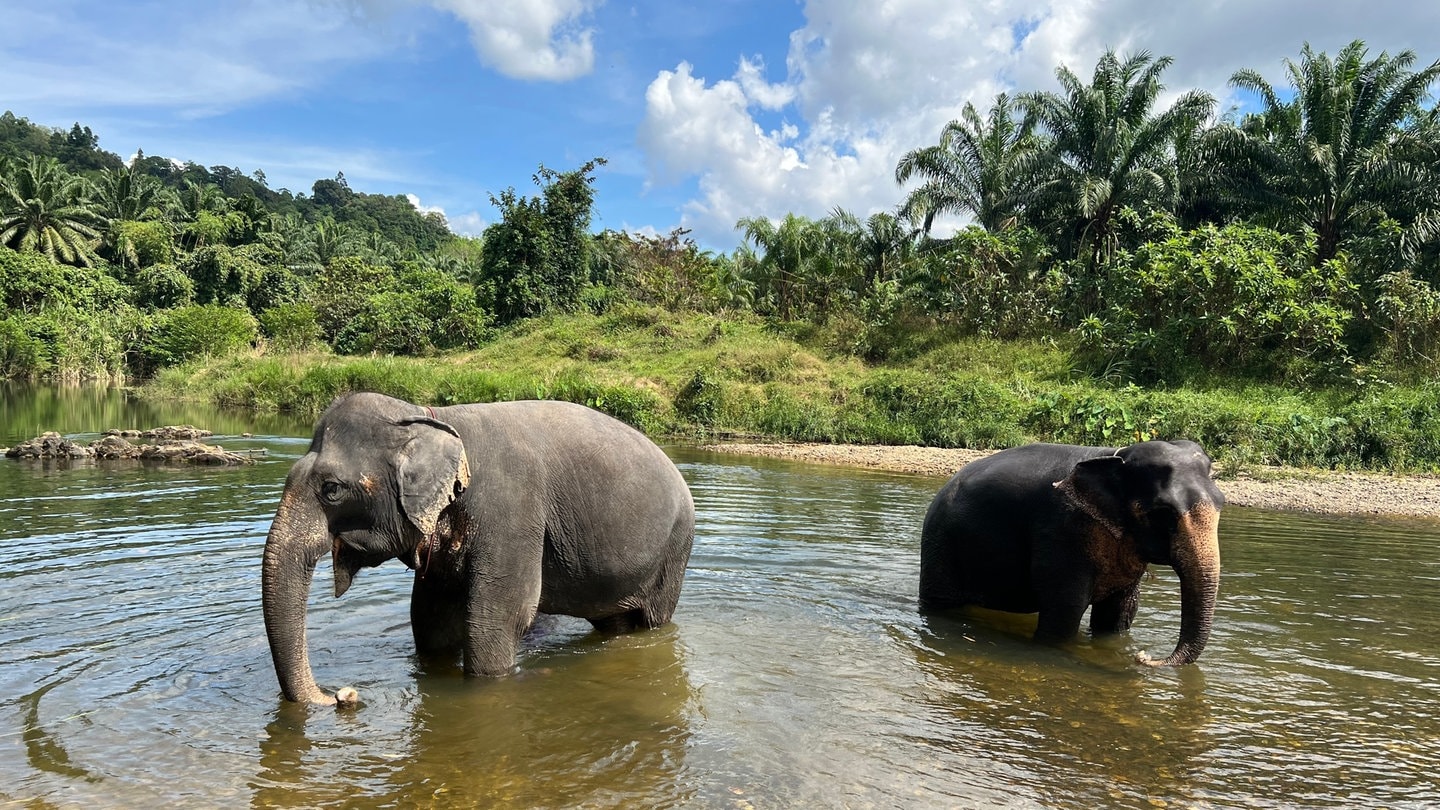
332,491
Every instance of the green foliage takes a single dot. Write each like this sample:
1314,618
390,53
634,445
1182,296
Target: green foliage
44,208
425,311
194,331
25,352
387,323
290,327
537,258
1239,298
1408,309
342,289
989,284
60,345
700,399
163,286
223,275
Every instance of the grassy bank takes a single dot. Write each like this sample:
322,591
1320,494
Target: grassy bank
697,377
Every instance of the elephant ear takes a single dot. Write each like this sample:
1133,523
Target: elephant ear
1097,486
432,469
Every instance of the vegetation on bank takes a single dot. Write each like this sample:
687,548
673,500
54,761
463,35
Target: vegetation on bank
1264,284
701,377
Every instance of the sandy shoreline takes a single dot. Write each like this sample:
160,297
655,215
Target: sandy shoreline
1273,488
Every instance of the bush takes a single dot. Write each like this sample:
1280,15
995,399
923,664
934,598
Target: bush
1238,298
290,327
700,400
388,323
163,286
23,353
194,331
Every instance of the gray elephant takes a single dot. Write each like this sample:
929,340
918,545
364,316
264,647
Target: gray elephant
1055,529
502,510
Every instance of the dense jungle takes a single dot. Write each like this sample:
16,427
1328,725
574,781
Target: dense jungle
1263,281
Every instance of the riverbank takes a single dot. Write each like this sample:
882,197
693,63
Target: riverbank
1305,490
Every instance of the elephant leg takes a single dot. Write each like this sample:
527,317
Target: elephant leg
1114,613
1059,621
502,607
437,619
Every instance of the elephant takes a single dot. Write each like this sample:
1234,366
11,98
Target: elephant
1054,529
502,510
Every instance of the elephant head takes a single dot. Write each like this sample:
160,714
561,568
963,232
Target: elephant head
1156,500
371,487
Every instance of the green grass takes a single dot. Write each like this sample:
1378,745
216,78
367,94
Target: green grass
696,377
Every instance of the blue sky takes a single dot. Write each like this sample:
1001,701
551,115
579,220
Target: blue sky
706,112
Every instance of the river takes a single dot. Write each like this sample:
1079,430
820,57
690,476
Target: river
797,673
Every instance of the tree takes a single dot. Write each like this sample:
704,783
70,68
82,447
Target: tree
125,198
1108,148
883,245
1341,151
536,257
48,210
975,169
783,252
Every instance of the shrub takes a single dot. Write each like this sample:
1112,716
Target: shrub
290,327
194,331
1236,298
163,286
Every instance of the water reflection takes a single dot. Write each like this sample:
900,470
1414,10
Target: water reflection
798,672
603,721
1074,727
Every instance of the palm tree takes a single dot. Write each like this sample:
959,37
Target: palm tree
205,210
125,196
786,253
883,244
974,169
46,209
1341,150
293,242
1108,148
333,239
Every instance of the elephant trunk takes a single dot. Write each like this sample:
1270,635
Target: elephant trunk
1196,559
298,538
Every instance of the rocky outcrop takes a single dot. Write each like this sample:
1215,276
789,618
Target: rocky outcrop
174,445
49,445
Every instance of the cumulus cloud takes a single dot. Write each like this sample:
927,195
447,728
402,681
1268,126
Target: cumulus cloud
467,224
535,39
864,83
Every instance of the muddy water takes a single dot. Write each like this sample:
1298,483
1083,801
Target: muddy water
134,672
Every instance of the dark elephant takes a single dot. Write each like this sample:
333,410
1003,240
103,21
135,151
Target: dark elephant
1054,529
502,510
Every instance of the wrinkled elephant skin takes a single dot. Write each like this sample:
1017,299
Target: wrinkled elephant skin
1056,529
503,510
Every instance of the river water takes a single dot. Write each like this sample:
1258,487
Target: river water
797,673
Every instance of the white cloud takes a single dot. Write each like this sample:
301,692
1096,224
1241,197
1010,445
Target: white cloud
424,209
534,39
195,59
865,83
757,90
467,224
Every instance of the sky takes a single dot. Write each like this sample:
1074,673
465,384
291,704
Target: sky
705,112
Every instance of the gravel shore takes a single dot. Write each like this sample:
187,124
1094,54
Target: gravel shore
1268,488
